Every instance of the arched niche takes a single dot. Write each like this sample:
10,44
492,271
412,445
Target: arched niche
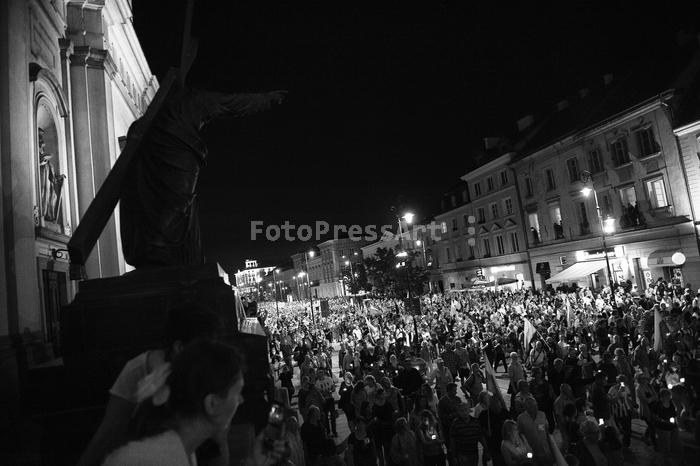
52,212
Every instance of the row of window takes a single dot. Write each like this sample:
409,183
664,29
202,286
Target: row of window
496,212
500,247
619,150
656,195
491,183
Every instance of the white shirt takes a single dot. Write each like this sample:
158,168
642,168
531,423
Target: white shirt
165,449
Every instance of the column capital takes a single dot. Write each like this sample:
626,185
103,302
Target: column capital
84,55
66,47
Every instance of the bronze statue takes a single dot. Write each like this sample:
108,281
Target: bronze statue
158,212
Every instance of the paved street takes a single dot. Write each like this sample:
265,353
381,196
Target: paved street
638,453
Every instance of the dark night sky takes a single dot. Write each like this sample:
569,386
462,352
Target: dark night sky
386,99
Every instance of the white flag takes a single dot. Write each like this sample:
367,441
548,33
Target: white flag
657,331
528,334
569,319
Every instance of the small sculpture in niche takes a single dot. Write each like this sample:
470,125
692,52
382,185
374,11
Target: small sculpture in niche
50,183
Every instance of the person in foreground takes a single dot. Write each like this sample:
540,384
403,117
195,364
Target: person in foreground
186,323
184,403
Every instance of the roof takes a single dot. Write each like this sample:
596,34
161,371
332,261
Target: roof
649,78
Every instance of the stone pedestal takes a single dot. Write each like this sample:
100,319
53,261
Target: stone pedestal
110,321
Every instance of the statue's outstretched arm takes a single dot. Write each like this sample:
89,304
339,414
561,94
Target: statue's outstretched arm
239,105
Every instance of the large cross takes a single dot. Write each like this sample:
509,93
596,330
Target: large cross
100,209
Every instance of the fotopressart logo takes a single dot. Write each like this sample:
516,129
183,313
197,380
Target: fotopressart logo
321,230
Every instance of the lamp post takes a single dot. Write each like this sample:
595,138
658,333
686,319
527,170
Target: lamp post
348,263
274,278
425,262
586,191
258,279
408,217
308,283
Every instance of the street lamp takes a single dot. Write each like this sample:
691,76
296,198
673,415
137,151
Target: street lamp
258,279
408,218
308,283
421,243
348,262
274,278
297,279
607,226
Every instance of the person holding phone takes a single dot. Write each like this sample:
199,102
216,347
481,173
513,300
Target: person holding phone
431,440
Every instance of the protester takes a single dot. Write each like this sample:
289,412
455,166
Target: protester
185,323
183,404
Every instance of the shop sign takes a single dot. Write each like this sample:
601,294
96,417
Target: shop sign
595,254
502,268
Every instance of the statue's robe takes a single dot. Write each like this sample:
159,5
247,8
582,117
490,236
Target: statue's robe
158,212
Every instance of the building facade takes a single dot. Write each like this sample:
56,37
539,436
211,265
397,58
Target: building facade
249,279
73,78
630,160
483,240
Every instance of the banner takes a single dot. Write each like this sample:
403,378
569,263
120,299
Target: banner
569,317
528,333
491,384
657,331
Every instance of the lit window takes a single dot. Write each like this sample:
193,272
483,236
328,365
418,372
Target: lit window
443,227
656,191
628,196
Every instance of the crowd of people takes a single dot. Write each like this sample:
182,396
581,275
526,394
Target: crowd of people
422,389
511,377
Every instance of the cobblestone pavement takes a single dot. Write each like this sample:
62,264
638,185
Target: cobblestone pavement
638,453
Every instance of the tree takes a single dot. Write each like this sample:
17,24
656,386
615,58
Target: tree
388,280
359,281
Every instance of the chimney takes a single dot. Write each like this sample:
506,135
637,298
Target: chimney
525,122
562,104
607,79
491,142
584,92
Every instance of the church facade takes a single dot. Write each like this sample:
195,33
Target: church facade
73,78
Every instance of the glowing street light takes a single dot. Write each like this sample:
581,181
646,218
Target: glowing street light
607,226
311,254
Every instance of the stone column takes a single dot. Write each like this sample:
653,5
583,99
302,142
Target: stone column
84,169
91,99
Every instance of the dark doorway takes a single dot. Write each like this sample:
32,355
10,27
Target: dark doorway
54,298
